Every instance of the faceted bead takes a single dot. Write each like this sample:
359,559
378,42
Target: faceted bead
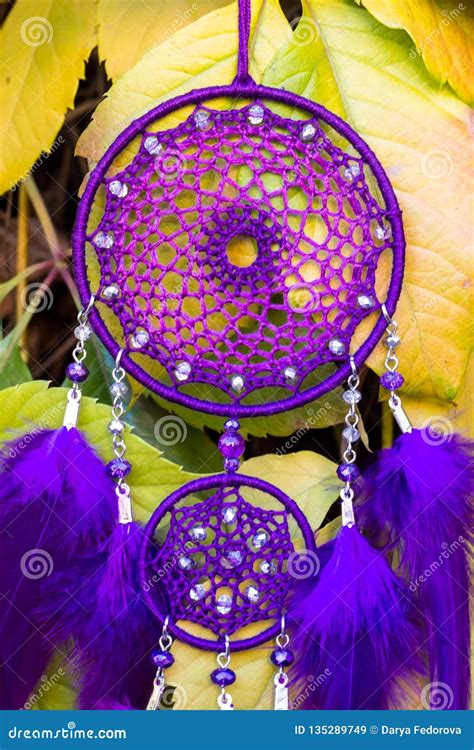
201,119
139,338
382,233
392,341
290,374
267,567
83,332
224,604
111,292
391,380
182,371
352,397
231,464
308,133
351,434
232,425
162,659
352,171
232,559
197,592
118,188
77,372
237,383
229,514
119,390
198,533
231,444
282,657
104,240
118,468
256,114
347,472
223,676
365,301
152,145
260,539
186,563
252,593
116,427
337,347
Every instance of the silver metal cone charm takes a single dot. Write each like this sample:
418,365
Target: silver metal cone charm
224,702
155,697
71,412
281,692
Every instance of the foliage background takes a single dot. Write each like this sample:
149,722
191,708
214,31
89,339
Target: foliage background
74,73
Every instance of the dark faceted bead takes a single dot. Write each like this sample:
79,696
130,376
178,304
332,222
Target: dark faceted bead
77,372
231,464
162,659
282,657
391,380
223,676
231,445
232,425
348,472
118,468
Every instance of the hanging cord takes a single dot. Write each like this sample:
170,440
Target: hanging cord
243,75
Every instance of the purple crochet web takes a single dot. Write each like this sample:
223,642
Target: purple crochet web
225,562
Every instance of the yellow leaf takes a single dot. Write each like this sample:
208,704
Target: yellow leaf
43,48
443,32
202,54
367,76
129,29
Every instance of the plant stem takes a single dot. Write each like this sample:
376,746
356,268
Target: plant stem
22,261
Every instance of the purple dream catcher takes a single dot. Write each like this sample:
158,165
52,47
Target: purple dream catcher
187,312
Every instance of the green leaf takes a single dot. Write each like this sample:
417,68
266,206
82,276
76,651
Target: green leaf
13,369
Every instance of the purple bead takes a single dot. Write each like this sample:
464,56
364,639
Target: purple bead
348,472
223,676
231,445
118,468
77,372
231,464
282,657
162,659
391,380
232,425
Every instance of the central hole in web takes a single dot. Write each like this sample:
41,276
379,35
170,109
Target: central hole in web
242,250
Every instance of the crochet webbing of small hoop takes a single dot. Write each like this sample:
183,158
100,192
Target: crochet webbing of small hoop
200,328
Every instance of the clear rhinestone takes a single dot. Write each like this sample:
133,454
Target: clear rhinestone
290,374
152,145
337,347
83,332
229,514
252,593
392,341
139,338
351,434
119,390
104,240
351,172
256,114
201,119
197,592
260,539
198,533
120,189
224,604
232,559
365,301
382,232
182,371
116,427
237,383
352,397
186,563
267,567
308,133
111,292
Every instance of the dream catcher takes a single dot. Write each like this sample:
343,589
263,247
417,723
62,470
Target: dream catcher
244,337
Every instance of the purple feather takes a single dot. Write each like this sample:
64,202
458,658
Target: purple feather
97,603
418,507
356,639
55,498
